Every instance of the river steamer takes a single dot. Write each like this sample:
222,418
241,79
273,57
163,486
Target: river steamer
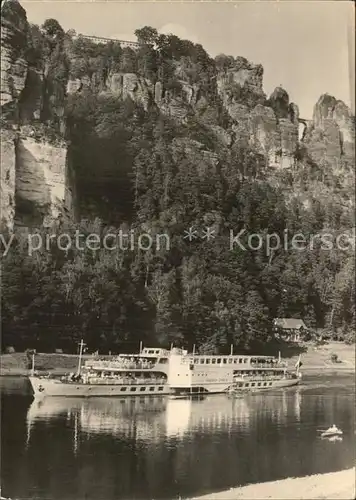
175,372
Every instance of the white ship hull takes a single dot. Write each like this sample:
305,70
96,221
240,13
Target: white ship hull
274,384
219,388
43,387
53,387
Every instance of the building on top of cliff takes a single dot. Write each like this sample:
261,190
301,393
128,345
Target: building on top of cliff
99,39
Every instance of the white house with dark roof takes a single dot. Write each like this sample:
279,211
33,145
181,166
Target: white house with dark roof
290,329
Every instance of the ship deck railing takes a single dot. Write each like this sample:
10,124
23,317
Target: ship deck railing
241,378
118,365
270,366
96,380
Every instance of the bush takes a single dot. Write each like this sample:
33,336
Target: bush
349,338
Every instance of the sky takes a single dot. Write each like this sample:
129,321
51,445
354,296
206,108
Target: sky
307,47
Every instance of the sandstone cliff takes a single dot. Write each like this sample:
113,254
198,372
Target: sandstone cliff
37,180
14,37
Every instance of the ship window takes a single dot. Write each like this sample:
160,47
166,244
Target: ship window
235,361
150,351
253,384
122,389
152,389
142,389
196,361
218,361
202,361
245,360
230,361
157,352
213,361
247,385
270,383
264,383
208,361
163,360
132,389
160,388
240,384
259,383
224,361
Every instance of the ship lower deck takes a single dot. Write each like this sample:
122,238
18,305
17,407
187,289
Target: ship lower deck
53,387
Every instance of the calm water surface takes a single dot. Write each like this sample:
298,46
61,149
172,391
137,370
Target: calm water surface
160,448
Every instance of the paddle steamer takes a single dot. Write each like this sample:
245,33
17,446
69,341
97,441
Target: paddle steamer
159,371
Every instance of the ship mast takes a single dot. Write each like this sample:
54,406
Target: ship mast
33,364
81,348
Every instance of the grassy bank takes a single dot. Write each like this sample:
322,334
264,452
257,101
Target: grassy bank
318,359
17,363
315,360
335,485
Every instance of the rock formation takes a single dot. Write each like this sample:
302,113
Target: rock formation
35,178
330,139
36,174
14,33
8,178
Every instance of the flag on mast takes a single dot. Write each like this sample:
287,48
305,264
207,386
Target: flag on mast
298,363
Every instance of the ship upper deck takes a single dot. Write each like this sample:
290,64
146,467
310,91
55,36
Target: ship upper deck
147,359
241,361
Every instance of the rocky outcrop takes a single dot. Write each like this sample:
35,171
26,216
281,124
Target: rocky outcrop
279,102
270,126
42,185
124,85
8,176
288,134
174,107
14,30
225,137
243,83
203,160
35,181
31,101
330,138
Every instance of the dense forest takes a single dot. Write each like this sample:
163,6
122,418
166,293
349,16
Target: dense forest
134,172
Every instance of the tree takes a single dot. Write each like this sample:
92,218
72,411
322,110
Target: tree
52,28
224,62
146,35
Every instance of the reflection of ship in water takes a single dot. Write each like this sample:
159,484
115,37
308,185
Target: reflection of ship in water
211,413
151,419
129,417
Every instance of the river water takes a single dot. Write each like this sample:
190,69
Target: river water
161,448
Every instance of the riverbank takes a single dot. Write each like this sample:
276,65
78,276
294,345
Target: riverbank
334,485
57,364
316,360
